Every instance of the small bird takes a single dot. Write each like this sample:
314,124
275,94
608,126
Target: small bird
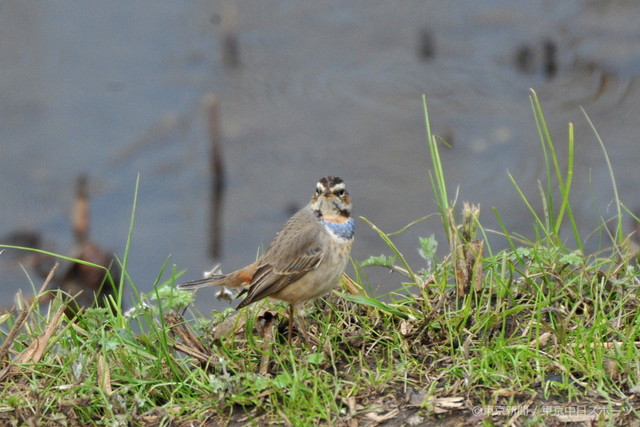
305,260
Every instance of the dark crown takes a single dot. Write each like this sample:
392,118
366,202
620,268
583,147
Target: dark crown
331,184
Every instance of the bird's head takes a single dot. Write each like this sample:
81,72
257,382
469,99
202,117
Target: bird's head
331,200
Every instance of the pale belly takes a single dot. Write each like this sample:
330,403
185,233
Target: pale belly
318,282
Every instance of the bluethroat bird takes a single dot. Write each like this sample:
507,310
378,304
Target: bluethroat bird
305,260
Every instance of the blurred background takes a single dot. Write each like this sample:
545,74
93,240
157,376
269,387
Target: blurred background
302,90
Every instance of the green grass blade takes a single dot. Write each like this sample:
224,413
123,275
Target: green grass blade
528,205
437,175
372,302
545,138
566,190
619,234
127,247
394,249
63,257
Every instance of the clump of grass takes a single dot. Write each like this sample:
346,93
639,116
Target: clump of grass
538,332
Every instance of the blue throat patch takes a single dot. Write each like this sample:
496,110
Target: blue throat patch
345,230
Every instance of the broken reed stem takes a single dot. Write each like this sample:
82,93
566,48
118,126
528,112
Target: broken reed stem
190,344
35,351
24,314
466,251
267,341
104,374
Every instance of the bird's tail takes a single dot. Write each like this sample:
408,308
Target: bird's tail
236,279
201,283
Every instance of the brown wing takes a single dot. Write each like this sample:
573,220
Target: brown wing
294,252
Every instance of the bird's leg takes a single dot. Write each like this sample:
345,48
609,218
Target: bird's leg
303,329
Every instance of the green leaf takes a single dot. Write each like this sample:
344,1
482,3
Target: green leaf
379,261
428,247
315,358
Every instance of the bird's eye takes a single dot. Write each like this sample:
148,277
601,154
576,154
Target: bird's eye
340,192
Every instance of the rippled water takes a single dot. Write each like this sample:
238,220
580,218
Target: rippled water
115,89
